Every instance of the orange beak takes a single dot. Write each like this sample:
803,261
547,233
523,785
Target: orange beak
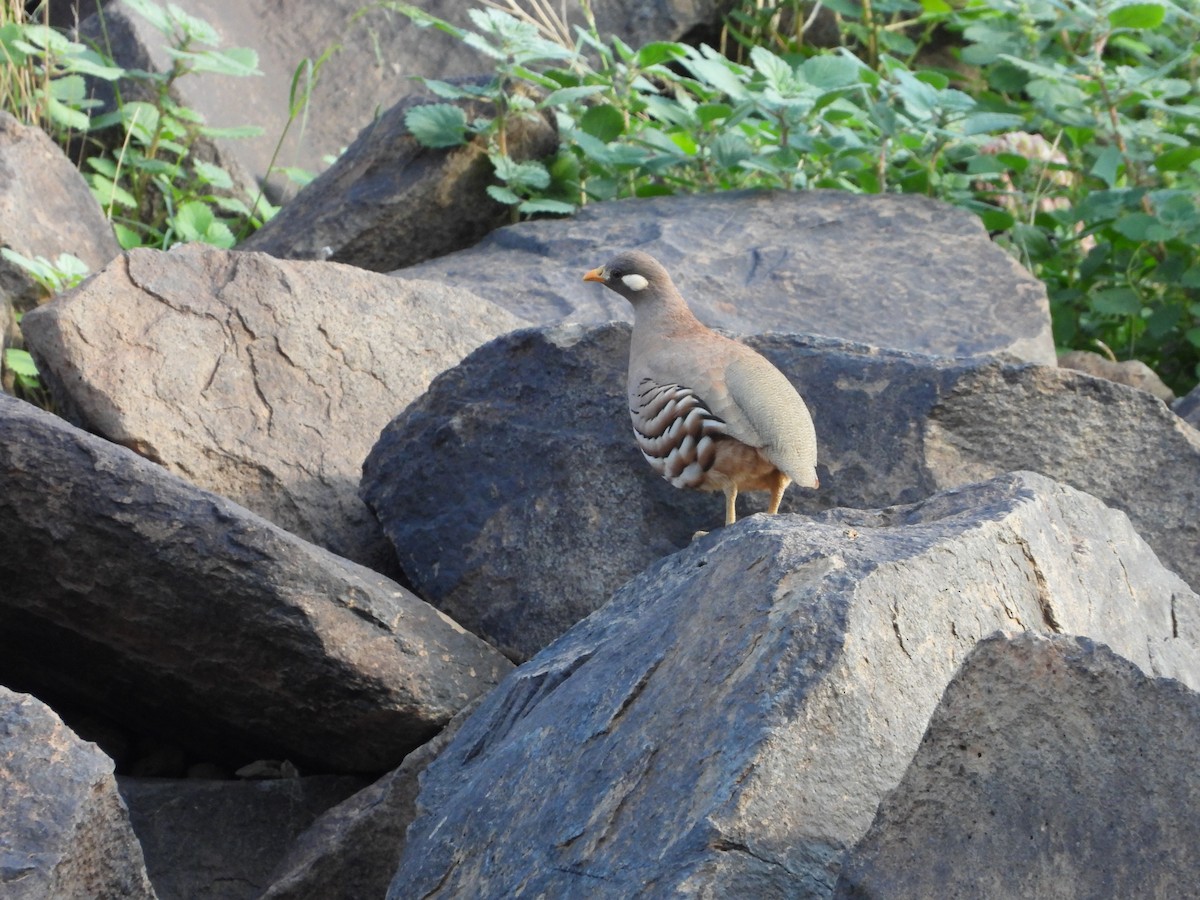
595,275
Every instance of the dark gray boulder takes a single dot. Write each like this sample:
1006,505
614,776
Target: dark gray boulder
1052,767
64,831
263,380
905,272
727,725
178,613
1187,407
388,202
523,456
352,850
220,840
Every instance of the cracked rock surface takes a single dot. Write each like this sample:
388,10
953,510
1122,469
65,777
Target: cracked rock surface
1051,768
266,381
727,725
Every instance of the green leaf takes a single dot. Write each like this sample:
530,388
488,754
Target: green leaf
1137,15
1118,301
1108,166
66,117
518,175
604,122
20,363
830,72
568,96
192,220
1177,159
212,174
503,195
1142,227
546,205
658,52
437,125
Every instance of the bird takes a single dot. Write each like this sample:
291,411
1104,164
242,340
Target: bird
708,412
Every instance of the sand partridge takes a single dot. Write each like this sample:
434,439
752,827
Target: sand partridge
708,412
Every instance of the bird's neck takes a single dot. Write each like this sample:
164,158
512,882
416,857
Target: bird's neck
668,318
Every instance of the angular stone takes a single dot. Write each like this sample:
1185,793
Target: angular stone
523,456
727,725
1132,372
353,849
904,272
46,209
64,832
215,839
178,613
388,202
263,380
1187,407
1051,768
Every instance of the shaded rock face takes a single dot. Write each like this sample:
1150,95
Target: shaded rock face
263,380
522,455
352,850
221,839
388,202
1051,768
875,269
179,613
374,53
728,723
46,209
64,832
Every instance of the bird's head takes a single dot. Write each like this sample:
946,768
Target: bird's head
634,275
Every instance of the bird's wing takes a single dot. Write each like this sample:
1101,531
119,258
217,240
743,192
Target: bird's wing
776,413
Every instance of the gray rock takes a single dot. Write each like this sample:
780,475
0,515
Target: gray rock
352,851
522,456
1187,407
1051,768
388,202
46,209
375,51
1132,372
65,831
177,612
221,839
906,272
727,725
263,380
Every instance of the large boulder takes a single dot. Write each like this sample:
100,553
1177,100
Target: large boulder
523,456
64,832
221,839
178,613
727,725
263,380
46,210
905,272
1051,768
388,202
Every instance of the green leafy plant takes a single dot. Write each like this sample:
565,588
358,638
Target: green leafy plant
20,373
42,73
155,189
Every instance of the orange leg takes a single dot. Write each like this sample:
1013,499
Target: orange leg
781,485
731,493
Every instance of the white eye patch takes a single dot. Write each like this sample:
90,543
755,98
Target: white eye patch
634,282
